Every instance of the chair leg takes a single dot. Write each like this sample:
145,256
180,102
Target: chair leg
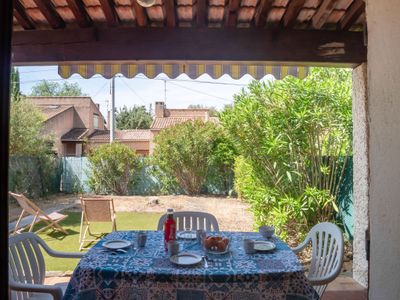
18,221
33,223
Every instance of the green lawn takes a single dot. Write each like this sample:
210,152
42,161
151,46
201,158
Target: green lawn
70,242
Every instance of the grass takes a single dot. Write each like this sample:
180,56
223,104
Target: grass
70,242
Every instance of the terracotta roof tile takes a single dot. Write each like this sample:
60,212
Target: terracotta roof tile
122,135
161,123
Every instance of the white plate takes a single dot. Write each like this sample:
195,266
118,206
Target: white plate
186,235
264,246
116,244
186,259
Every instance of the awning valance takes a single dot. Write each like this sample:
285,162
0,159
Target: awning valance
173,70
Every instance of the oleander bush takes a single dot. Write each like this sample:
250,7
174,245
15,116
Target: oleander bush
194,157
112,169
293,137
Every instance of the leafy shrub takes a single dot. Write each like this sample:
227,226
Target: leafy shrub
112,168
188,154
292,135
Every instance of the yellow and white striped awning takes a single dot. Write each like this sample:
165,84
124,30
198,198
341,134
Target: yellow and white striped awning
173,70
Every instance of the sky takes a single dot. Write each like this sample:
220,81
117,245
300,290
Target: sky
177,93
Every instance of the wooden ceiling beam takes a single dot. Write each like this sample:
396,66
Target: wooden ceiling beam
201,13
310,47
292,11
48,10
261,14
356,9
140,13
79,11
22,17
170,11
231,14
323,12
109,12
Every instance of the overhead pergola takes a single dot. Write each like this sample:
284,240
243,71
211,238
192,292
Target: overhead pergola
273,32
120,32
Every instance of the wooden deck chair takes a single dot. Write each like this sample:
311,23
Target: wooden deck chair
30,208
95,210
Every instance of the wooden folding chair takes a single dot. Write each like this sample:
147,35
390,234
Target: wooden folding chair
95,210
30,208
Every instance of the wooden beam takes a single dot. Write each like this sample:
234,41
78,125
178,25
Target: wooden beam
79,11
231,15
47,9
292,11
20,14
109,11
203,44
140,13
353,13
170,12
323,12
6,17
261,14
201,13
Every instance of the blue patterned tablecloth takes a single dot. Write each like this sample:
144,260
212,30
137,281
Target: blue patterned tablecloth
147,273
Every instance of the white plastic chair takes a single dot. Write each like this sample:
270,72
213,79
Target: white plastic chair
191,219
327,254
27,269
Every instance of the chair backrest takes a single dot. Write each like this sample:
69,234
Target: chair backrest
98,209
327,254
191,219
25,260
26,204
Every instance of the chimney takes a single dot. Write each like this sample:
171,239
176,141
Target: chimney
98,106
159,109
108,119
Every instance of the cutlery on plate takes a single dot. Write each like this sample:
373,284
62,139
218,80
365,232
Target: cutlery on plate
205,262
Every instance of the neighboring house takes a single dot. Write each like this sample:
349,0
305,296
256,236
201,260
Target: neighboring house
70,120
78,125
137,139
167,117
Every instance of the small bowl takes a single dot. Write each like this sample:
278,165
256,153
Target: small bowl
266,231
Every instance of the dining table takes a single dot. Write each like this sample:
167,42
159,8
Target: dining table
148,273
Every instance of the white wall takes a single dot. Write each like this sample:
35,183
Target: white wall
383,19
360,173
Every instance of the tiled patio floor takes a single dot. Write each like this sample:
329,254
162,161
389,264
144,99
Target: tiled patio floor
343,288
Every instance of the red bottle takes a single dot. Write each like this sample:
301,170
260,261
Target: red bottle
169,228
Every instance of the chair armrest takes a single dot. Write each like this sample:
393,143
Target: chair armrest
302,245
55,291
61,254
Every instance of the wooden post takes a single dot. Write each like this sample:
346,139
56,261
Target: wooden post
6,16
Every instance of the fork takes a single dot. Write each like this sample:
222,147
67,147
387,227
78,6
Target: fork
205,261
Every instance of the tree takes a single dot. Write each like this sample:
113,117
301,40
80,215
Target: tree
136,117
48,88
26,124
15,83
32,164
212,110
187,151
112,168
294,137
